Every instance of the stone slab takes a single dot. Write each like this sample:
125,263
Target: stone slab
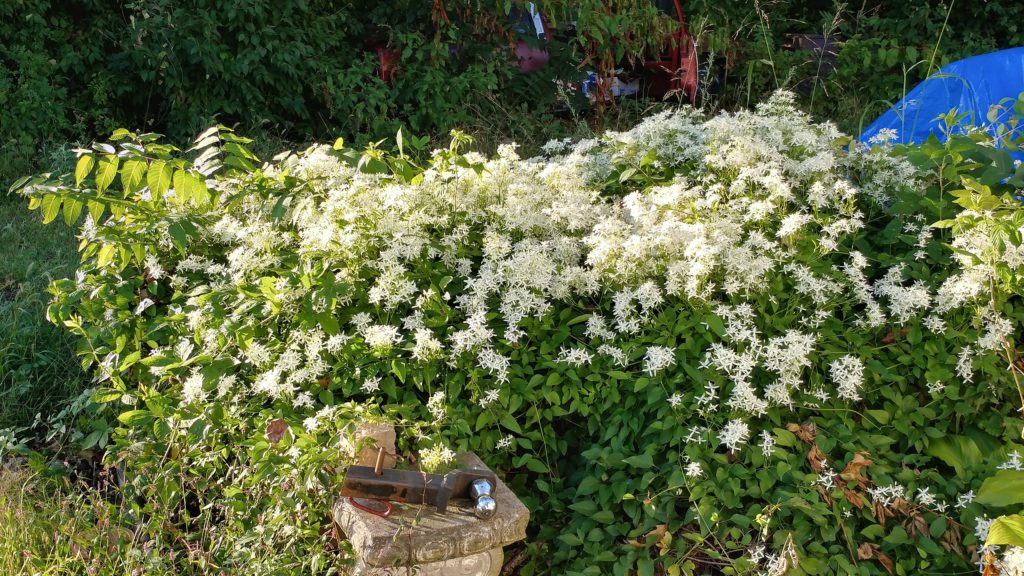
487,563
416,535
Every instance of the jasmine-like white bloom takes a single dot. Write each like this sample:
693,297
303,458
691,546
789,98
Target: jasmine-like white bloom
302,400
489,397
575,356
847,372
965,364
371,385
735,433
997,329
311,424
192,389
1013,463
884,137
886,495
675,399
495,363
505,442
964,499
435,457
436,405
925,496
693,470
935,323
1012,562
597,327
616,354
981,527
696,435
426,346
936,387
767,444
658,358
381,337
336,341
226,384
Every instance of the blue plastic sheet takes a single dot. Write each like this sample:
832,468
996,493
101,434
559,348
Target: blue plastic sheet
972,86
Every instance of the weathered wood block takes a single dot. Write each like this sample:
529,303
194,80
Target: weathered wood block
419,540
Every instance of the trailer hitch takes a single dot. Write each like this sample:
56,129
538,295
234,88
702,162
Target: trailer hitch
413,487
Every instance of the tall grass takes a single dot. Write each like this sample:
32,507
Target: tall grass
38,368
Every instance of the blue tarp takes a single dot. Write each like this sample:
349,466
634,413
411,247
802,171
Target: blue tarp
971,86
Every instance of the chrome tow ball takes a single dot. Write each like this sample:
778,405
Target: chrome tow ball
481,490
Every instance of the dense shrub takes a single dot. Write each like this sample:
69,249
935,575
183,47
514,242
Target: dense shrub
698,345
307,69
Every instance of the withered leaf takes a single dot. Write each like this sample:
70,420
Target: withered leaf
805,432
854,469
276,429
816,458
991,563
868,551
854,498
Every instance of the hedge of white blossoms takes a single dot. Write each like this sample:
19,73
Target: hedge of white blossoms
712,280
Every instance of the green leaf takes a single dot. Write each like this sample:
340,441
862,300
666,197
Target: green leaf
1003,488
135,417
95,209
535,465
51,207
1006,530
182,187
640,461
132,174
83,167
509,421
159,178
588,486
72,210
105,255
106,171
104,396
960,452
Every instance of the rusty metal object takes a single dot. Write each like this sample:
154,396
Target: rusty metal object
414,487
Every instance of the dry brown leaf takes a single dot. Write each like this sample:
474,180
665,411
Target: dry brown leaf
854,469
886,562
991,565
854,498
869,551
276,429
805,432
866,551
660,532
816,458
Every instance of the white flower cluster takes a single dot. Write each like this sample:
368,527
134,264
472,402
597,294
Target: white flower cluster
515,238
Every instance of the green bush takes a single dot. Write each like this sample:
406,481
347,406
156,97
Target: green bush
697,345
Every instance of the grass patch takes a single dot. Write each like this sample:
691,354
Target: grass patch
38,369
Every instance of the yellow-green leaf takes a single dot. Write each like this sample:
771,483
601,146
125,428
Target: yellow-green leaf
1006,530
1003,488
106,255
159,178
106,171
72,210
95,210
182,190
83,167
51,207
132,175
